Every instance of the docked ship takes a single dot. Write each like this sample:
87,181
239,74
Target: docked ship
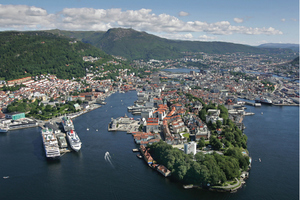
74,140
67,124
263,100
61,138
50,144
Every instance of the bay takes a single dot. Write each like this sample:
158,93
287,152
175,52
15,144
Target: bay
272,136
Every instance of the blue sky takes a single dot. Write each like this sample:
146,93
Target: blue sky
250,22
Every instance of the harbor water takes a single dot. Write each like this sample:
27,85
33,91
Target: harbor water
106,167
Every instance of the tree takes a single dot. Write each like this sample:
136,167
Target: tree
216,143
202,114
219,124
201,143
48,108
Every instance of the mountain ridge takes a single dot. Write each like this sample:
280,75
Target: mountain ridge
294,47
133,44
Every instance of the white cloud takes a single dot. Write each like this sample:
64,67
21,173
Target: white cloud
22,16
183,14
187,36
29,17
283,20
238,20
205,37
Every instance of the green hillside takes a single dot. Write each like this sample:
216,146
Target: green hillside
294,47
295,61
32,53
141,45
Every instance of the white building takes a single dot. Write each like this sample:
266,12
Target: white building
190,147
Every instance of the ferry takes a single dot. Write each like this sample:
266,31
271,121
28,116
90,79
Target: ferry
50,144
74,140
263,100
67,124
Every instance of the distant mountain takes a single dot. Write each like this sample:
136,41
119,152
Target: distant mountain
294,47
133,44
33,53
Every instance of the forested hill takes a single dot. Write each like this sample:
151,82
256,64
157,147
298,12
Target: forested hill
25,54
295,61
133,44
294,47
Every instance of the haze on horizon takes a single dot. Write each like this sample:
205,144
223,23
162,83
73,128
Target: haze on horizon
245,22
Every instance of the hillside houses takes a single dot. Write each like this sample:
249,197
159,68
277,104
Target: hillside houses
213,116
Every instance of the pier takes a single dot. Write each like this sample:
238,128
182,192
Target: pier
125,124
252,104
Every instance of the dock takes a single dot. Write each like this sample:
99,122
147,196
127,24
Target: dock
252,104
64,151
125,124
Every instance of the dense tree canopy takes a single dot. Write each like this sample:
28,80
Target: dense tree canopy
213,169
25,54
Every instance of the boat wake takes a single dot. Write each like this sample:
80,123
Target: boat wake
107,158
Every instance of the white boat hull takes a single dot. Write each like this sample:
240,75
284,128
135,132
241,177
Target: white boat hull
74,140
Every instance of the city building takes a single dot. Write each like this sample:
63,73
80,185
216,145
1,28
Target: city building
190,147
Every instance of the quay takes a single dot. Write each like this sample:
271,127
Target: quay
252,104
63,151
284,104
125,124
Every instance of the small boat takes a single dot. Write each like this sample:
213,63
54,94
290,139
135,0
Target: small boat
87,129
4,130
259,160
96,129
5,177
262,113
139,156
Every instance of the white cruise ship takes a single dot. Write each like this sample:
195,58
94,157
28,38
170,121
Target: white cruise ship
67,124
74,140
50,144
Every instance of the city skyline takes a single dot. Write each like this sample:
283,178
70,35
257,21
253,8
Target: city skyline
244,22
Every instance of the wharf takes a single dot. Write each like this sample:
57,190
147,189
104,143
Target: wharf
285,104
252,104
66,150
22,126
125,124
72,116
